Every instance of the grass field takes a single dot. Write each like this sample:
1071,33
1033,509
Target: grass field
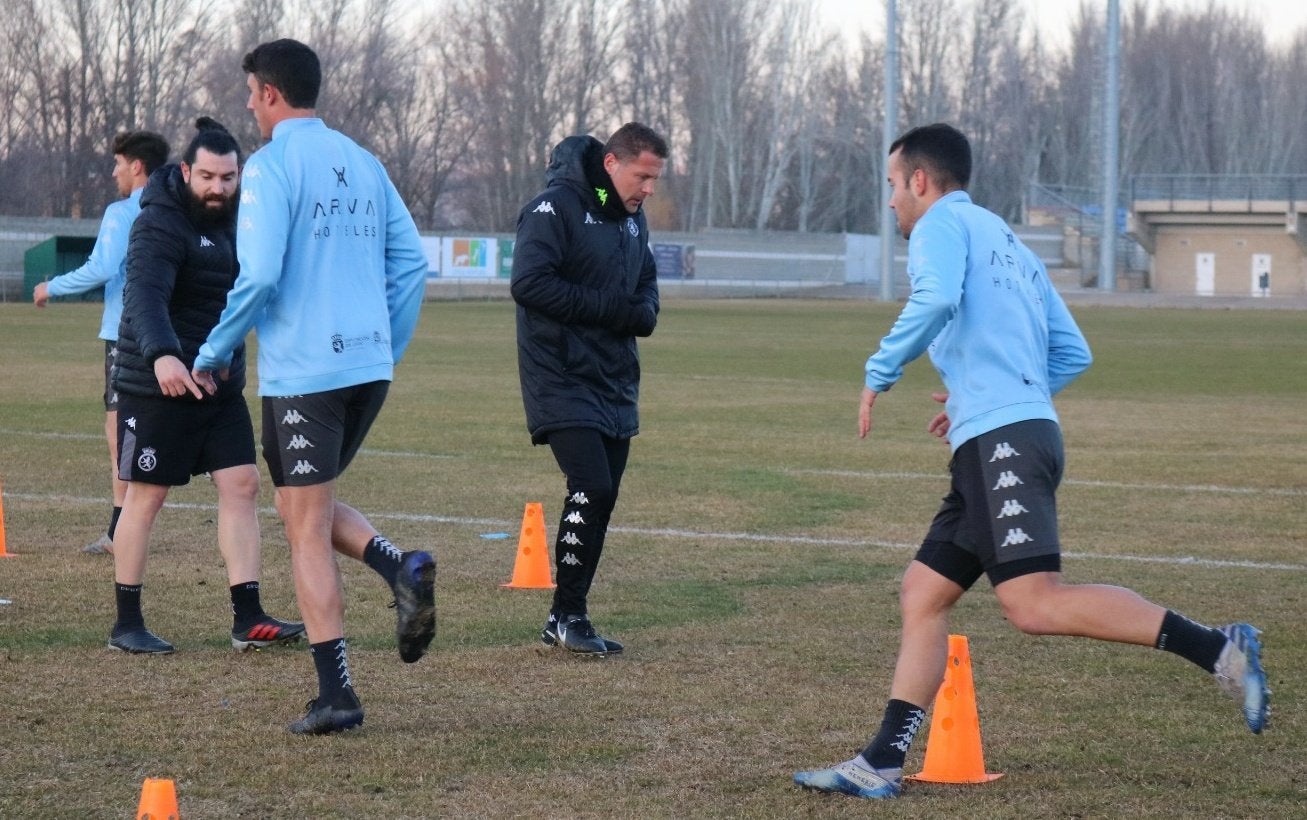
752,572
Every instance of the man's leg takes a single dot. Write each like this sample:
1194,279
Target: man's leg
307,513
140,507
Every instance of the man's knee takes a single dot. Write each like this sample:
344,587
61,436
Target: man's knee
1030,603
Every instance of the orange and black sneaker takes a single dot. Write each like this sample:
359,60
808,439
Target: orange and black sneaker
266,632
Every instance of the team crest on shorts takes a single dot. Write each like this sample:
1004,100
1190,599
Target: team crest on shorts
147,461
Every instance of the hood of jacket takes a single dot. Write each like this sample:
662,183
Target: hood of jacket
167,189
579,162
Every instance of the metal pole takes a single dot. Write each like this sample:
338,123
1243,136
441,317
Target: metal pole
891,95
1111,149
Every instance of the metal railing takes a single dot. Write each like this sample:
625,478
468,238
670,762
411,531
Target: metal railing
1223,188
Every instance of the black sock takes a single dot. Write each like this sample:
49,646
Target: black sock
384,557
889,748
113,521
1191,640
334,684
128,598
246,608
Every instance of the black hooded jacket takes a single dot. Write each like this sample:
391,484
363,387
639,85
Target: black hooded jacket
585,285
178,276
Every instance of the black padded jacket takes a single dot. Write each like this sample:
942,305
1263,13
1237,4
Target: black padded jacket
178,276
585,285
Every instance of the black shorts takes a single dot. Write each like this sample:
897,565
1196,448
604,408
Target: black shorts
1000,516
110,395
311,439
166,441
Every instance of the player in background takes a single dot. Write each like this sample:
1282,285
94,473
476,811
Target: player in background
136,154
1004,344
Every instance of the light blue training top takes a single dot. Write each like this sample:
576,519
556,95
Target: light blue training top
997,331
107,264
332,272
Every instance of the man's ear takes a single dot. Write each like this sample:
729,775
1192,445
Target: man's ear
920,182
186,172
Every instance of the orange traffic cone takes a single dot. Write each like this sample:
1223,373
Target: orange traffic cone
532,568
953,753
158,800
3,552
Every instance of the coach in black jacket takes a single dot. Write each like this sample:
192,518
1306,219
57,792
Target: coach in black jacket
181,262
585,285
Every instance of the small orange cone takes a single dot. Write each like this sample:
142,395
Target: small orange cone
158,800
3,552
532,568
953,753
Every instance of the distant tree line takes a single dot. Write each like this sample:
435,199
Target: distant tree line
774,115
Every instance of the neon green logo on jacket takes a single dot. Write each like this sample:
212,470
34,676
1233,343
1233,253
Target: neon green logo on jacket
602,193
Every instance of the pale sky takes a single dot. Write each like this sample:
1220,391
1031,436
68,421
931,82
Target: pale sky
1283,18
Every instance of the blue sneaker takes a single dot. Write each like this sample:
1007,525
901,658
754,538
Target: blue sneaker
853,777
1239,674
415,605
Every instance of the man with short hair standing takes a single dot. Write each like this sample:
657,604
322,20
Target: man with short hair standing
1004,344
332,276
181,261
586,286
136,154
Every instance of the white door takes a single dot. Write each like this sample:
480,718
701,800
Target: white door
1261,282
1205,274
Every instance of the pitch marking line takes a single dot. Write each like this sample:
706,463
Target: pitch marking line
1187,561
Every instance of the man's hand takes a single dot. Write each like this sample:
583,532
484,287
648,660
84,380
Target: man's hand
205,379
864,411
939,425
174,378
40,294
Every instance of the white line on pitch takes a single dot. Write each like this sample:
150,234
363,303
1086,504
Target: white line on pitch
809,540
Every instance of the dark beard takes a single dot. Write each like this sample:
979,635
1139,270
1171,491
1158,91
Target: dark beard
203,216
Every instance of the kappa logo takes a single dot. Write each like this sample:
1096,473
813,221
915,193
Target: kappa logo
1006,479
131,423
298,442
574,517
206,242
303,467
545,207
579,498
147,461
1003,451
1015,537
342,664
903,741
247,197
570,559
571,540
1011,507
590,220
292,417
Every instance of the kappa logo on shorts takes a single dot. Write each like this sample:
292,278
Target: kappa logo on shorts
571,540
1011,507
292,417
570,559
131,423
1015,537
1003,451
303,467
579,498
1006,479
574,517
298,442
147,461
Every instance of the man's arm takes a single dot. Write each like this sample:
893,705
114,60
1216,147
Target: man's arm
1068,352
104,263
154,255
406,270
542,239
263,229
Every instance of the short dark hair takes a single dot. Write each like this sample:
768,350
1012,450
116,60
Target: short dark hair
149,148
940,150
289,66
213,137
633,139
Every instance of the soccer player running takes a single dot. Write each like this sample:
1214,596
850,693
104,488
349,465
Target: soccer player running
181,261
332,275
1004,343
136,154
585,285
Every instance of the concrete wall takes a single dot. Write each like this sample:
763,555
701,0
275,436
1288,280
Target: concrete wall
1233,248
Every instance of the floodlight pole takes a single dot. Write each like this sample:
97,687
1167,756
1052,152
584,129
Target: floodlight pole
1111,149
891,95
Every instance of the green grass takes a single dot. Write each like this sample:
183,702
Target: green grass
752,572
